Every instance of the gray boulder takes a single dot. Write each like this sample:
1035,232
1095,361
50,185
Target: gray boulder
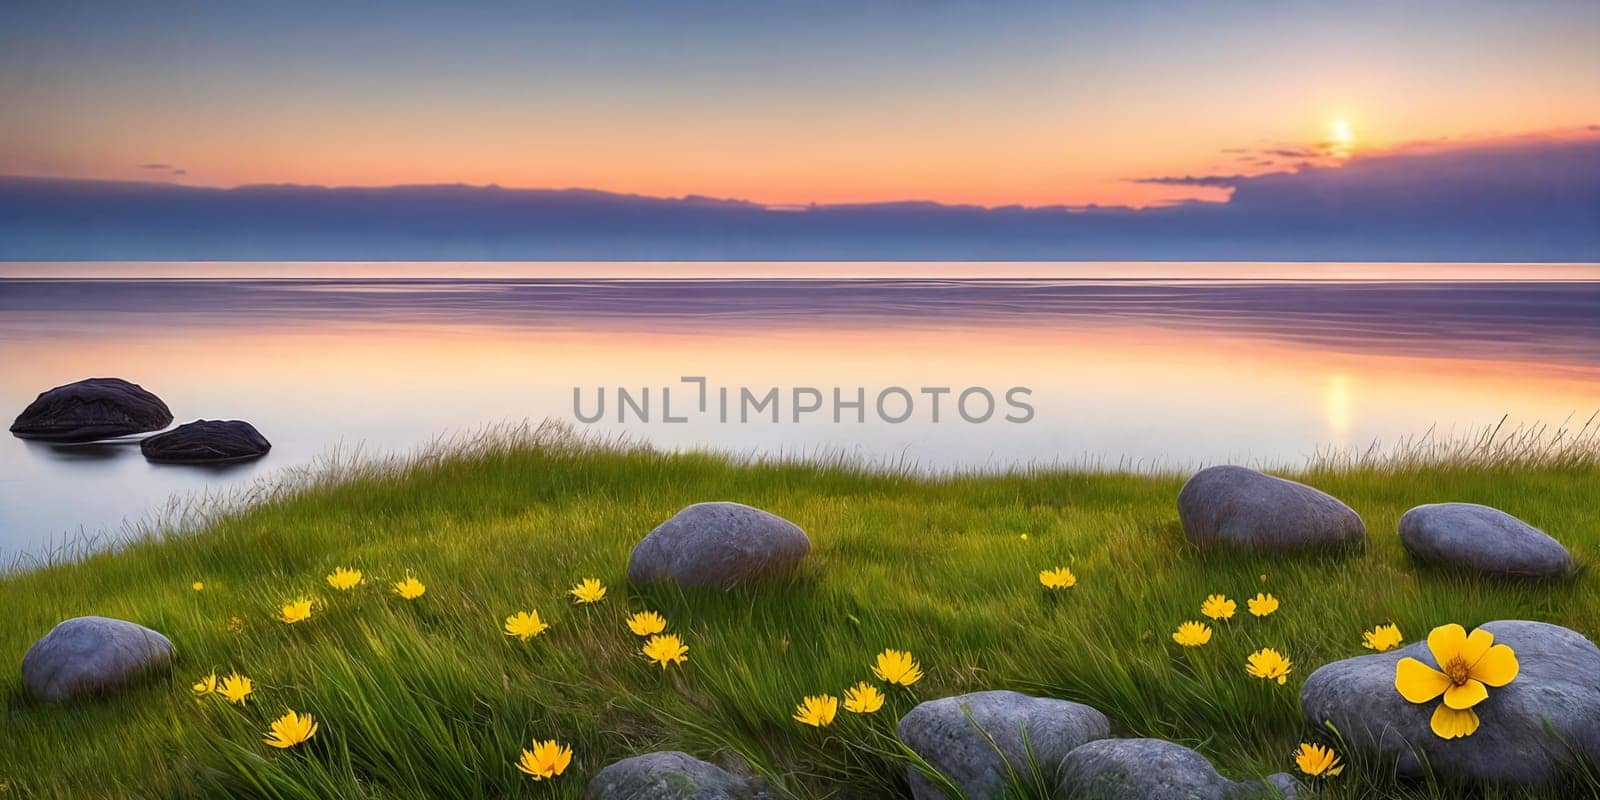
718,545
1557,686
206,441
91,409
670,775
91,654
1242,507
1481,539
959,746
1153,769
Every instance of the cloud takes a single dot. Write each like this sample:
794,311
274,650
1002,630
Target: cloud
1212,181
171,170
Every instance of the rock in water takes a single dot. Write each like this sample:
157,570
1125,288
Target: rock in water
718,545
670,775
96,408
1243,507
207,441
1153,769
1481,539
959,746
1558,685
92,654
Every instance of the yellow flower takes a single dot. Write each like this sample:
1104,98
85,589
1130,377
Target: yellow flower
665,650
236,688
1192,634
1218,606
1262,604
198,586
410,588
1268,664
1023,537
546,760
1468,665
589,591
1381,638
1316,760
206,685
344,579
863,698
1058,578
817,711
525,625
895,666
291,729
296,611
646,623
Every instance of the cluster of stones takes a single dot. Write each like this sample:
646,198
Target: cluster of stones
96,409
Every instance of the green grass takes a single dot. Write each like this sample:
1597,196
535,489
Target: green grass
428,699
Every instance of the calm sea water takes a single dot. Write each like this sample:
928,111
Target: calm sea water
1137,365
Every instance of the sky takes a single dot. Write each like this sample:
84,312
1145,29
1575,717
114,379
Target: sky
779,103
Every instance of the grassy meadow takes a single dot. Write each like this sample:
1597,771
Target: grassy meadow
428,698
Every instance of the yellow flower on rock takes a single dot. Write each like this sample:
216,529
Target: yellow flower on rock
1381,638
647,623
1317,761
666,650
817,711
291,729
1192,634
1218,606
1468,665
1268,664
547,759
295,611
899,667
206,685
344,579
410,588
1262,604
863,698
1058,578
236,688
589,591
525,625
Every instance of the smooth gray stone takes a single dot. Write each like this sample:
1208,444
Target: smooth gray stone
92,654
670,775
1242,507
1558,685
1154,769
955,744
206,441
1481,539
718,545
91,409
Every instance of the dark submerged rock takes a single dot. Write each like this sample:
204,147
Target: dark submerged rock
1242,507
1154,769
1558,685
1481,539
84,655
959,745
91,409
718,545
206,441
670,775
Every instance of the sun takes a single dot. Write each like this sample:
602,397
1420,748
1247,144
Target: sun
1341,137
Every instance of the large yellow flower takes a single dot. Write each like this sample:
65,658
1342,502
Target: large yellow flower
1218,606
547,759
1058,578
206,685
236,688
1268,664
589,591
647,623
1192,634
817,711
863,698
1468,665
1316,760
344,579
410,588
1381,638
525,625
295,611
1262,604
899,667
291,729
666,650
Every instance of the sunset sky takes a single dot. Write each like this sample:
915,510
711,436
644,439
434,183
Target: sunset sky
781,103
